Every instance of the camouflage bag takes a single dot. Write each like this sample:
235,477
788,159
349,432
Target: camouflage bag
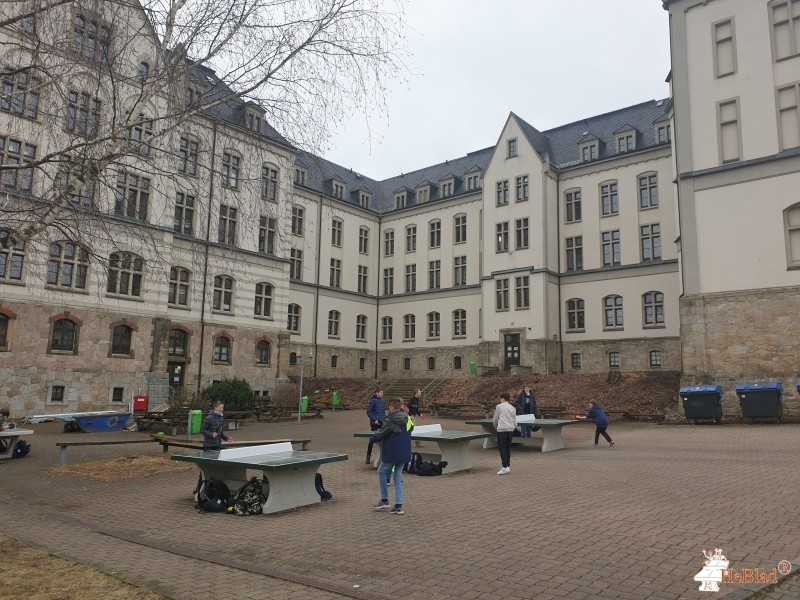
249,499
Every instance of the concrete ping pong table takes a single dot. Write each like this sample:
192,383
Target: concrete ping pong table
453,446
10,437
289,473
550,428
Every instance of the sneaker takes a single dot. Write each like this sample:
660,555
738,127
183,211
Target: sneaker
383,504
397,510
611,442
504,470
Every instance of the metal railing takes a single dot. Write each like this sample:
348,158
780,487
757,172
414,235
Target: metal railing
445,375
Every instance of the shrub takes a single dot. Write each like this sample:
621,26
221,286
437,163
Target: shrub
235,393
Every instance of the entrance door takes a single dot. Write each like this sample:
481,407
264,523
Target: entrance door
176,373
512,350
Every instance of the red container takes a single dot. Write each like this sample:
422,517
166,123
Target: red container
140,403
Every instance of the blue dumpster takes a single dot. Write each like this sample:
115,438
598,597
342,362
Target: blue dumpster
761,400
702,402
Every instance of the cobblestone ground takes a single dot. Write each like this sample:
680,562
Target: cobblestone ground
629,522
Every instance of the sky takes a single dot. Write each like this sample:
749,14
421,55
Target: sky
472,62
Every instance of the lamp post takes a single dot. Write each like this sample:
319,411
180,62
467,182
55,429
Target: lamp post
302,361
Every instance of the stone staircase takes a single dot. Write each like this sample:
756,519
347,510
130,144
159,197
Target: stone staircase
405,388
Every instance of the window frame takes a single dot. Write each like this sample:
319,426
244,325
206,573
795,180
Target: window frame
613,313
576,315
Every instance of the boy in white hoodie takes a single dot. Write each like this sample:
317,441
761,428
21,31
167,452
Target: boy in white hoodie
505,421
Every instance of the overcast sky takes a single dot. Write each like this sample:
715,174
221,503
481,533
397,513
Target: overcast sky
473,61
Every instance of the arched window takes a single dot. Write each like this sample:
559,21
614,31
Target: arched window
434,325
457,363
222,350
263,352
791,225
64,336
293,324
575,314
431,363
177,343
612,309
653,308
223,293
334,318
459,322
263,306
409,327
387,324
269,182
11,259
178,287
144,71
292,359
125,274
67,266
121,340
384,364
361,328
4,322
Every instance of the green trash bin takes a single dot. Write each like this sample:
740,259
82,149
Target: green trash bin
336,399
304,404
473,367
195,421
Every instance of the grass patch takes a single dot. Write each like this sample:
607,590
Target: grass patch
121,469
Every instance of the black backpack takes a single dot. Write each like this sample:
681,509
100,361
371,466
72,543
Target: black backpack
323,493
213,496
249,499
21,449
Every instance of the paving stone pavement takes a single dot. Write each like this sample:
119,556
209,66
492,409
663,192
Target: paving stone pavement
629,522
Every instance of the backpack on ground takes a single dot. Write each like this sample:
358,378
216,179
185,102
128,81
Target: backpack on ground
429,469
412,468
249,499
213,496
71,426
323,493
21,449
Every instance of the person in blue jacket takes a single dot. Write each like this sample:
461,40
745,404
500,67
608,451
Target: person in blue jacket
597,415
213,426
395,437
376,413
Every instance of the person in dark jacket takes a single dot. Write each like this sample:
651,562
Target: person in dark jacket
213,428
526,405
395,438
376,413
413,410
597,415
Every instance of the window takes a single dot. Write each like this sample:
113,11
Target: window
522,188
655,359
388,243
178,294
785,28
336,232
92,39
407,363
293,326
57,393
459,323
11,259
187,156
411,278
296,264
19,94
423,195
144,71
67,266
409,328
613,360
457,363
609,198
178,342
651,241
228,217
388,281
446,189
362,279
222,350
230,170
334,361
253,122
139,135
575,360
65,336
338,190
434,325
435,231
336,273
791,223
729,136
512,147
502,237
263,300
193,96
71,173
411,238
611,248
117,394
292,359
574,253
363,240
625,143
362,363
589,152
184,213
459,271
664,133
364,200
400,200
460,226
434,274
125,274
334,318
263,353
384,364
502,193
521,233
300,176
29,25
267,231
789,116
361,328
575,315
501,294
724,49
522,292
431,363
572,202
223,293
269,183
132,196
4,321
473,182
648,191
653,307
298,216
121,340
386,329
83,113
612,307
12,154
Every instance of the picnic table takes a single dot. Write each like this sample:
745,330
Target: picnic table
453,446
550,428
289,474
10,437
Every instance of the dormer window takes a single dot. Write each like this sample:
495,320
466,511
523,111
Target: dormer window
423,195
400,200
473,182
512,148
193,96
626,142
254,122
364,200
144,71
446,188
664,133
338,190
300,176
589,151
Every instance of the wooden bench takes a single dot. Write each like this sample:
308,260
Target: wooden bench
166,442
287,414
455,409
552,412
65,445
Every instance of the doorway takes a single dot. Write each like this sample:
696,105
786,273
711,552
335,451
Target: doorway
512,350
